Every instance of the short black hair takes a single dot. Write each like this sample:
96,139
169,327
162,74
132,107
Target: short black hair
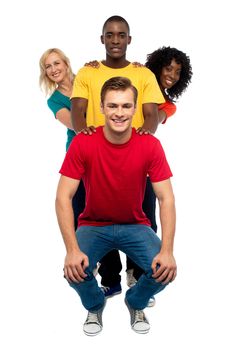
118,84
161,58
116,19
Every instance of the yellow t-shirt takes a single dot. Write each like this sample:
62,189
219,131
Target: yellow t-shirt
89,81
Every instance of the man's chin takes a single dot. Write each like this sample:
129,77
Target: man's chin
121,131
120,128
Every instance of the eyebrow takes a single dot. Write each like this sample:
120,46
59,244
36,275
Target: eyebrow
128,104
117,33
56,61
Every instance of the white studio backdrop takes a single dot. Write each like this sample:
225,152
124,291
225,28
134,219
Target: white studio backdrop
38,310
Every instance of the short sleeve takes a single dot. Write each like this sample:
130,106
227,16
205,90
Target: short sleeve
151,91
159,169
58,101
80,86
73,164
168,108
54,106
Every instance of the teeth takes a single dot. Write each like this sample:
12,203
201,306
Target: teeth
118,121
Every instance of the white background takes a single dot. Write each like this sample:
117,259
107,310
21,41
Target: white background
38,310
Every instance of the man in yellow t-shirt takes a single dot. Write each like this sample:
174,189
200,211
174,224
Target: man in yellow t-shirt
85,98
86,115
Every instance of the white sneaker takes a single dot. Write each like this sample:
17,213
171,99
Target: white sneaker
130,280
151,302
138,320
93,324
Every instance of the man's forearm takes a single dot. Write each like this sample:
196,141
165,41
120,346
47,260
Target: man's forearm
151,117
78,111
151,123
168,223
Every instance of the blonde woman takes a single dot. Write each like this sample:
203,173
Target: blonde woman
56,80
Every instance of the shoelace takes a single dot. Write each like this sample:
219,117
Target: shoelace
92,318
105,289
139,316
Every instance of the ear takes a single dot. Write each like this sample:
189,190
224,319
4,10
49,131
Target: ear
129,39
101,108
102,39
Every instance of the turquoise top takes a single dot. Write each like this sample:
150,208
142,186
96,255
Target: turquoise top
56,102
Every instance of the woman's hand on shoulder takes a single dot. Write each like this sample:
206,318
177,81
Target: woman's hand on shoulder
137,64
89,130
93,64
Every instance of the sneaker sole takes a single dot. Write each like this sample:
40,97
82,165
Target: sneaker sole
141,332
92,334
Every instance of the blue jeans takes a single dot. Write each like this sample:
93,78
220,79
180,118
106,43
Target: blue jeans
139,242
111,266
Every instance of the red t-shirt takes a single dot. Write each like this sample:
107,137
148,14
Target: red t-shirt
169,108
114,176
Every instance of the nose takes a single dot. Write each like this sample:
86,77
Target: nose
115,39
172,74
119,112
53,68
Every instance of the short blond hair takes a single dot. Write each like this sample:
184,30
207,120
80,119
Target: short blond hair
47,85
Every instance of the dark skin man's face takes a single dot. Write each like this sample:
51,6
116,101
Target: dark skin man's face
116,39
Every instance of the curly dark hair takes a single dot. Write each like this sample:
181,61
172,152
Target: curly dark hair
161,58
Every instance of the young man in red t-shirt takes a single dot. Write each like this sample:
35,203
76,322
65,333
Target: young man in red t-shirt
114,164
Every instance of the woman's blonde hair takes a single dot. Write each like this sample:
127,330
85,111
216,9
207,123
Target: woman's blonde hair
47,85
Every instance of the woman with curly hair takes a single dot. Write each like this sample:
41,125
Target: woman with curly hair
173,72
